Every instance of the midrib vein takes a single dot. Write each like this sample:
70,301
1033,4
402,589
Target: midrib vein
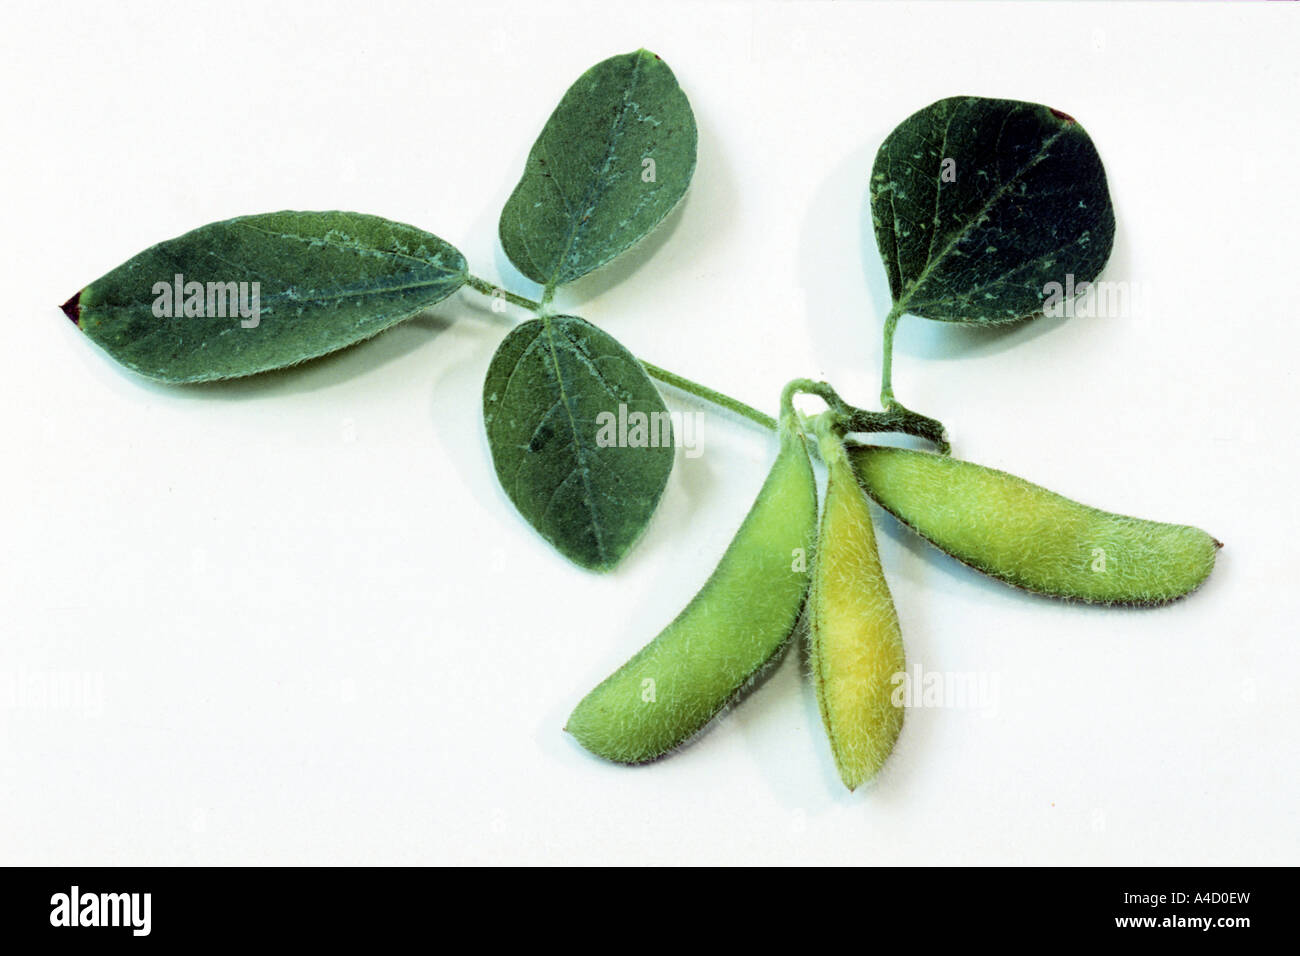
993,200
549,331
614,134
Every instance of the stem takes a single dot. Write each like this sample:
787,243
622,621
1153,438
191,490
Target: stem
895,418
903,421
887,357
490,290
671,378
830,436
709,395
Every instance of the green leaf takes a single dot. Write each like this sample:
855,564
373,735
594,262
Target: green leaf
614,158
979,204
580,438
323,281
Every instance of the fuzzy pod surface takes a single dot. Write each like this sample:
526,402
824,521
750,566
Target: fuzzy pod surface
1033,538
855,644
738,623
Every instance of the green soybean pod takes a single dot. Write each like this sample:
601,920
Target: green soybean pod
1033,538
739,622
855,645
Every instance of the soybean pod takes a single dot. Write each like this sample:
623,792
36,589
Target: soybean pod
1033,538
855,645
739,622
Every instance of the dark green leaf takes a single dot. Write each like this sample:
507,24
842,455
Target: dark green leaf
978,204
614,158
324,281
562,403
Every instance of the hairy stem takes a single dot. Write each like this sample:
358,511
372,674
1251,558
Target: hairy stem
495,291
887,357
670,378
902,421
708,394
895,418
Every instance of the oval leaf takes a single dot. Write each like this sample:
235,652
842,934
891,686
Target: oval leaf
614,158
256,293
580,438
980,204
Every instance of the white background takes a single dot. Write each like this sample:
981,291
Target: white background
311,627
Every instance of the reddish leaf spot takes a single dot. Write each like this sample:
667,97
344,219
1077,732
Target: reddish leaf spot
1065,116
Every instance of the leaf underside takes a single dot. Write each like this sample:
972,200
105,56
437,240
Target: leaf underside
1022,203
326,280
613,159
546,389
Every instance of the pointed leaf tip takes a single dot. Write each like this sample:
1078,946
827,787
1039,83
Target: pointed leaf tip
72,309
277,289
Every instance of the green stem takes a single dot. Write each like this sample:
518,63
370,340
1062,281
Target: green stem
670,378
495,291
830,436
903,421
709,395
887,358
895,418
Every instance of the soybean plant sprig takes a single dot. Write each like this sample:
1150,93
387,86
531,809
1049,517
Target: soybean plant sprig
567,408
984,211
